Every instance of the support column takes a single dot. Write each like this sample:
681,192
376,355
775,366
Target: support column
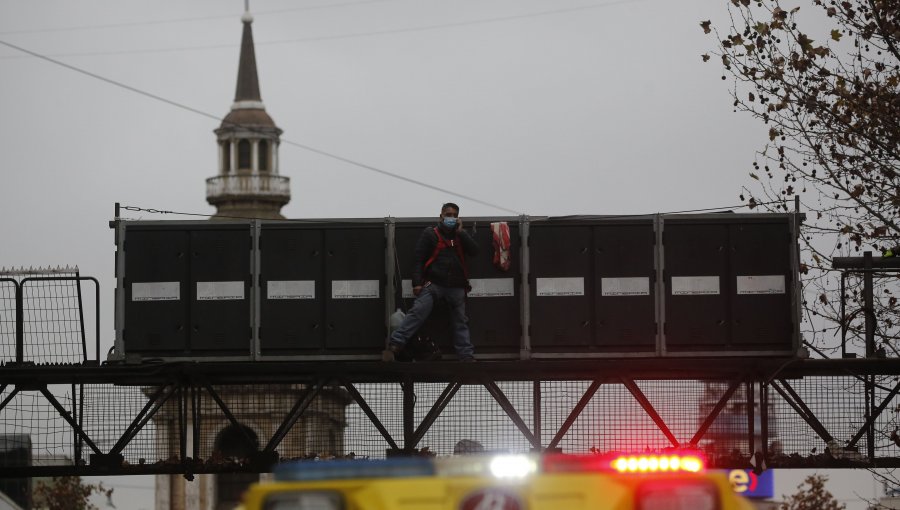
232,147
274,146
222,169
254,156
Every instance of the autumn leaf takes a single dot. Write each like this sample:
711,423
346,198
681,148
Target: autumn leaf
755,177
836,35
773,133
805,42
705,26
705,57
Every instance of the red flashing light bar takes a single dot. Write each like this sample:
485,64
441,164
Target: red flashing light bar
658,464
684,462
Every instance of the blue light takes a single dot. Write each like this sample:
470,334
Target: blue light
306,470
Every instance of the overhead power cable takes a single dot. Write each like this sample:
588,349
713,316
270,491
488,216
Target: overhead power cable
185,20
372,33
151,210
284,141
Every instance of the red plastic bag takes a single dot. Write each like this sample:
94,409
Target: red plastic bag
500,233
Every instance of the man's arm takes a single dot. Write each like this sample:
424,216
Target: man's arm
424,249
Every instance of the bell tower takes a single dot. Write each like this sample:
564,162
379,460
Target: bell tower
248,183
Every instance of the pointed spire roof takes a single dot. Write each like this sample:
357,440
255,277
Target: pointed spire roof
248,108
247,81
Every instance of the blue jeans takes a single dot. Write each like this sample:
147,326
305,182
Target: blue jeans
421,309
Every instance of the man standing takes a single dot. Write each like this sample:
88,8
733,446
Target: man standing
440,272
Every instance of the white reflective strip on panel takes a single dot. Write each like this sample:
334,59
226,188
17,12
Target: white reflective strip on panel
491,287
762,284
695,285
291,289
560,286
638,286
355,289
156,291
406,289
220,291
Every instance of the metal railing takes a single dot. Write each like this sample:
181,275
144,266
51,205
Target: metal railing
224,186
19,329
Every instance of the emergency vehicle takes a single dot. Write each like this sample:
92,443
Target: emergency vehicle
499,482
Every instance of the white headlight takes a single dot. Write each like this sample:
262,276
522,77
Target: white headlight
512,466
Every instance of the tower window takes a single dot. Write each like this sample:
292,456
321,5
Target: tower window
263,156
244,155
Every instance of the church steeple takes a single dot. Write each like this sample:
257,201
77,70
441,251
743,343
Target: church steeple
248,184
247,81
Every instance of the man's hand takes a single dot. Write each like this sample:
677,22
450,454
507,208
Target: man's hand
416,290
458,223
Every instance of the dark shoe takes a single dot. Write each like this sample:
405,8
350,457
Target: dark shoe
390,354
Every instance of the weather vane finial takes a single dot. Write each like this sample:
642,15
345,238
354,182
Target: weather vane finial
247,17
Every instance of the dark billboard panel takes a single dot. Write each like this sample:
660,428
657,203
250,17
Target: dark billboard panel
587,286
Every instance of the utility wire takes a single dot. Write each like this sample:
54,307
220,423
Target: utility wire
285,141
339,220
344,36
310,148
185,20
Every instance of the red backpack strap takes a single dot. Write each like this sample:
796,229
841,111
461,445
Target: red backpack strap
443,245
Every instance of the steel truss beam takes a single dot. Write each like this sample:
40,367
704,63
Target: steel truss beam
510,410
436,409
793,399
651,412
871,419
715,412
180,386
576,412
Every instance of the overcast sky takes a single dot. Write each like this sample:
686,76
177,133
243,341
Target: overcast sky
537,106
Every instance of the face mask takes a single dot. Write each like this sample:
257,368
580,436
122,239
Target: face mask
449,222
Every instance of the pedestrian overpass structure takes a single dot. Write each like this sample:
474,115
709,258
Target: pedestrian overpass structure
242,344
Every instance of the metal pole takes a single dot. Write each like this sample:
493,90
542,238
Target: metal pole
536,404
660,302
764,419
869,304
843,314
390,270
84,354
751,417
525,288
409,404
255,290
870,409
20,325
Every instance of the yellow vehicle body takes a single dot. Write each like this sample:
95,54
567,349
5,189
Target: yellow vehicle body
546,491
